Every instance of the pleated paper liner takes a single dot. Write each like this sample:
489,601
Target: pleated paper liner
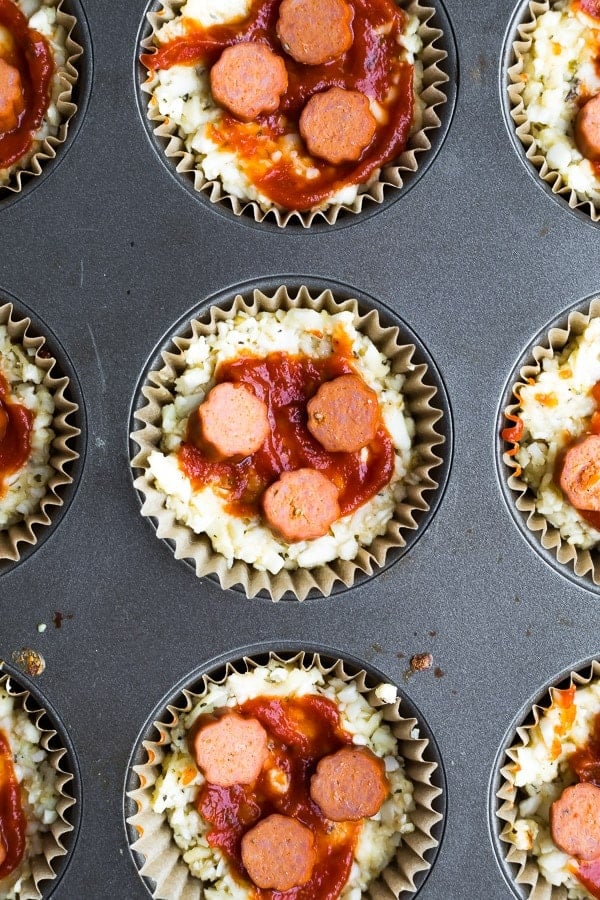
61,450
45,865
34,162
526,875
533,152
162,859
585,563
421,401
392,176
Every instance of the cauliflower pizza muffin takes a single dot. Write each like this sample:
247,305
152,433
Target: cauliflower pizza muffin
37,75
256,781
295,105
555,437
33,797
283,438
552,794
34,431
555,95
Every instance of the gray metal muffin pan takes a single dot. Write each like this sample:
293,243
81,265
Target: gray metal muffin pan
110,252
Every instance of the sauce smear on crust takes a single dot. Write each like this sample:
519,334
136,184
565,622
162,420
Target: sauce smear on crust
370,66
301,731
12,817
285,383
31,55
15,437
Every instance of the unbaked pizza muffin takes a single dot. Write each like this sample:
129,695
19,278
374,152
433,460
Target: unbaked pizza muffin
556,438
282,439
555,93
26,433
294,105
36,433
552,795
288,776
34,797
36,81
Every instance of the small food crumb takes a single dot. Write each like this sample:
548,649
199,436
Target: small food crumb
29,661
421,661
42,627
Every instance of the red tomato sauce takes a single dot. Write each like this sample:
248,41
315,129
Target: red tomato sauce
32,56
370,66
15,444
12,816
285,383
301,731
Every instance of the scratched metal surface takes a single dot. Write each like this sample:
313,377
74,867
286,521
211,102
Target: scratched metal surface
109,251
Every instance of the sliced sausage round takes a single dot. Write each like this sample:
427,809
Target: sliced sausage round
230,750
12,103
248,79
349,785
302,505
587,129
580,473
232,422
344,414
315,31
279,853
337,125
575,821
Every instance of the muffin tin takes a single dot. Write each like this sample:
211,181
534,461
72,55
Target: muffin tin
110,253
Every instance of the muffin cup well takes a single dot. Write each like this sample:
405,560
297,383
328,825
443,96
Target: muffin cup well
533,152
163,862
586,563
419,400
527,876
61,453
65,105
43,866
391,176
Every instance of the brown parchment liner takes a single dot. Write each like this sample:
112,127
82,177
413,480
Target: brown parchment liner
42,866
534,152
61,453
64,105
528,874
390,176
163,858
299,582
586,563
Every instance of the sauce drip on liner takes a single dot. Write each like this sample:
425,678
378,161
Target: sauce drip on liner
12,817
16,423
286,383
301,731
26,69
369,66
